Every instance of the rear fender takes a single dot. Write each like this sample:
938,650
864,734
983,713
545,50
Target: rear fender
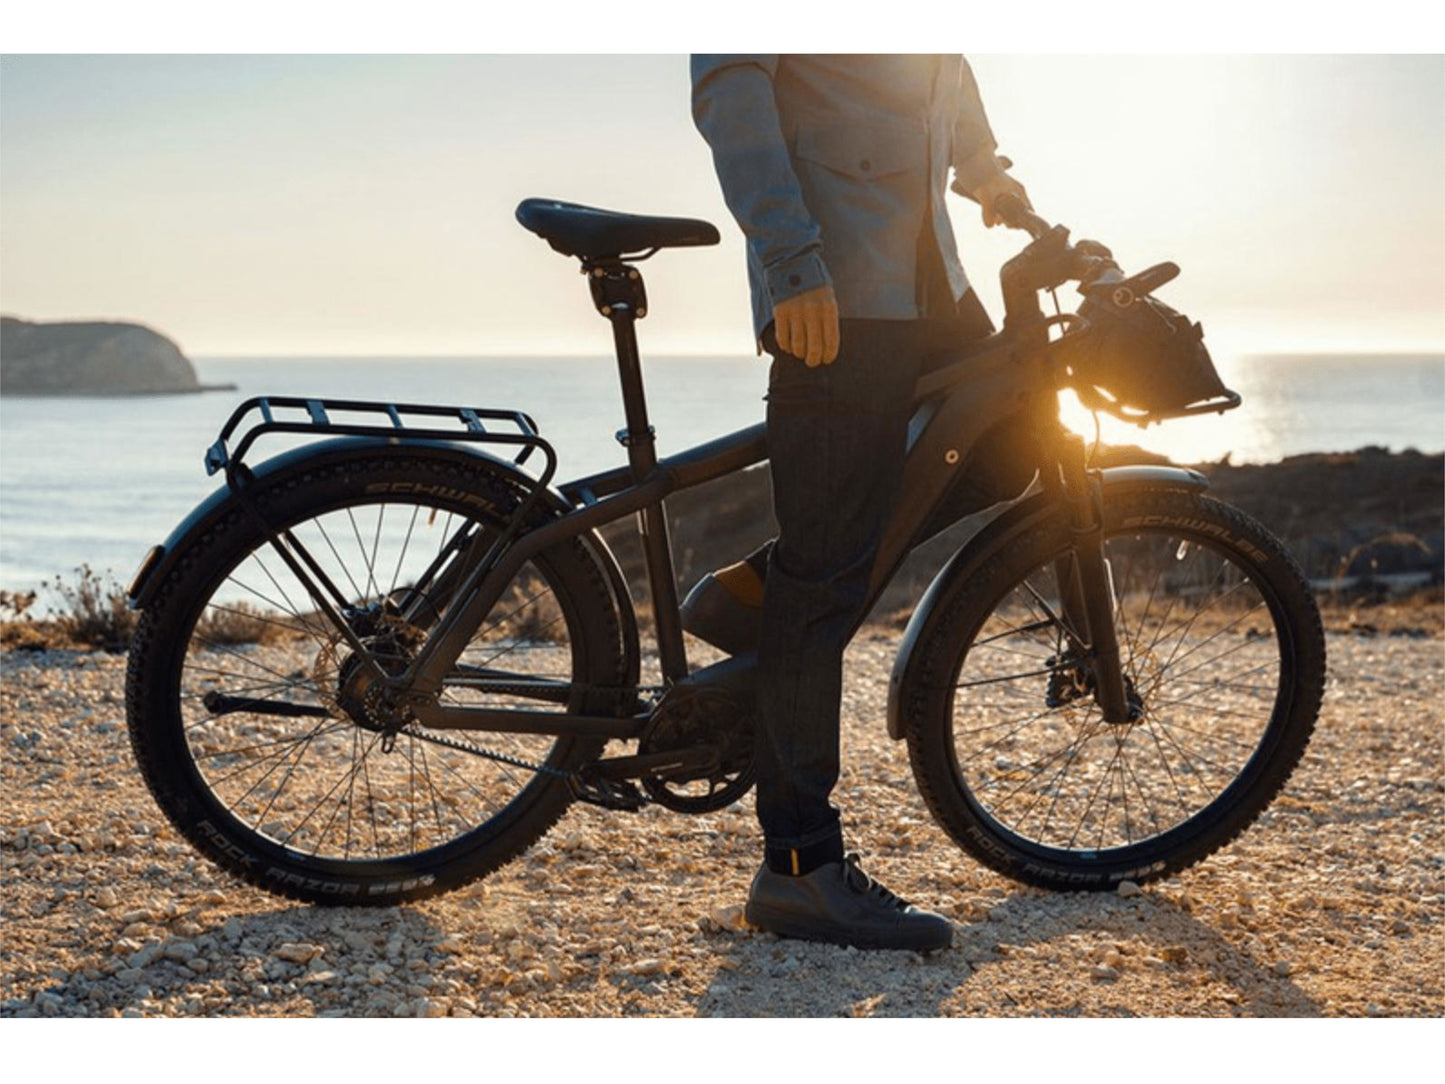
981,548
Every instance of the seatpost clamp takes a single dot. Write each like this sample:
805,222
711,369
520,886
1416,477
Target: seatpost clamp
617,289
627,438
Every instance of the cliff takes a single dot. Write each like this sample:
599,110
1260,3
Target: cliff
91,358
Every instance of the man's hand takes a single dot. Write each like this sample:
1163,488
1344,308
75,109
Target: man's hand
982,178
997,185
806,326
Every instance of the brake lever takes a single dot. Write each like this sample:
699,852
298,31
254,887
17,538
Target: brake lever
1124,292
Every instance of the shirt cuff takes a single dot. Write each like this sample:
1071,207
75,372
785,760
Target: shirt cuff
975,169
797,276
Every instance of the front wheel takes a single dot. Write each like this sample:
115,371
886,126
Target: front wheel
1222,649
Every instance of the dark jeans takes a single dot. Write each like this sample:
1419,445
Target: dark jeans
836,440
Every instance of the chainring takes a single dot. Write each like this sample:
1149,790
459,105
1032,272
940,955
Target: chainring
689,718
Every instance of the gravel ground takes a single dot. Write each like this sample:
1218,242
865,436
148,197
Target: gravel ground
1331,905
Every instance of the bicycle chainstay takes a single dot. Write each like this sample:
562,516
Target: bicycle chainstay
608,794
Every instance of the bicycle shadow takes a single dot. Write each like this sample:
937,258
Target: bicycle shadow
770,977
289,961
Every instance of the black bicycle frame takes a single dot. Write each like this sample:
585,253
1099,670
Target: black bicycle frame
955,403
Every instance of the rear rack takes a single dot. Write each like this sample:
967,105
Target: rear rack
313,417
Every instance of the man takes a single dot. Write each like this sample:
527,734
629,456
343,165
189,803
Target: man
835,168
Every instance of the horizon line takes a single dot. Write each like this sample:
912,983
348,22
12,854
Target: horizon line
1433,354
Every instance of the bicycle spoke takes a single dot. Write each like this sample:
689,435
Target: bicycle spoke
361,548
345,568
320,635
405,545
278,741
431,789
277,606
323,799
1011,677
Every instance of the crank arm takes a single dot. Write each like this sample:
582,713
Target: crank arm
221,704
702,761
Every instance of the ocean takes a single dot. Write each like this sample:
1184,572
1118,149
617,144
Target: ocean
98,480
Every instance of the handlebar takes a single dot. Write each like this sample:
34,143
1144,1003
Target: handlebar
1088,262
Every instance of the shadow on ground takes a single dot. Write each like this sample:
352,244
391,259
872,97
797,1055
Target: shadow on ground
1014,970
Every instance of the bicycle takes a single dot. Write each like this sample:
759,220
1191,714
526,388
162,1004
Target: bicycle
378,667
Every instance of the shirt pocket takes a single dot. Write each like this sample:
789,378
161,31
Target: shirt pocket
861,151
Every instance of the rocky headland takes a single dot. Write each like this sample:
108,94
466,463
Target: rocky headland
91,358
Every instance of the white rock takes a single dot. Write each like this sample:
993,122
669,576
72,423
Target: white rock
297,952
1128,889
729,917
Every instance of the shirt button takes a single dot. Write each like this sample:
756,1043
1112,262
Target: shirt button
794,280
865,165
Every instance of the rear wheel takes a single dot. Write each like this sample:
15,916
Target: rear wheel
1221,644
246,725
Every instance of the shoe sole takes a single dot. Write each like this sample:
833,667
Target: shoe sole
784,926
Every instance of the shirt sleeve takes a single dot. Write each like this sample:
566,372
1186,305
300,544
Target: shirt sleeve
734,109
974,146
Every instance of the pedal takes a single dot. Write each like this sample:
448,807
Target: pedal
618,794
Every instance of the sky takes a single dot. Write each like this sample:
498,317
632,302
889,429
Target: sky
363,205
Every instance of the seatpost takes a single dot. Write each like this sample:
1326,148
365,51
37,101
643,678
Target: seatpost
619,294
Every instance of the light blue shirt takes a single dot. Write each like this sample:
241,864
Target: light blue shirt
835,167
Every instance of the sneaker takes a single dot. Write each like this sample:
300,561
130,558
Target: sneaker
840,904
725,608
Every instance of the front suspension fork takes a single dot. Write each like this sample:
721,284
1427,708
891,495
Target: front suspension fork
1085,588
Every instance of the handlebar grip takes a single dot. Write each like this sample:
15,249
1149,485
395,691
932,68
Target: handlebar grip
1016,215
1011,209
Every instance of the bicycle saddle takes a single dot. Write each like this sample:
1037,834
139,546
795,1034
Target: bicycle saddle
589,232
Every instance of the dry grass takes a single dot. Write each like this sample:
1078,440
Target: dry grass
527,612
243,623
90,611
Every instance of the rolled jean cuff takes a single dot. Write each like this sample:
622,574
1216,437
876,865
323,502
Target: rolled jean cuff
808,839
800,861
